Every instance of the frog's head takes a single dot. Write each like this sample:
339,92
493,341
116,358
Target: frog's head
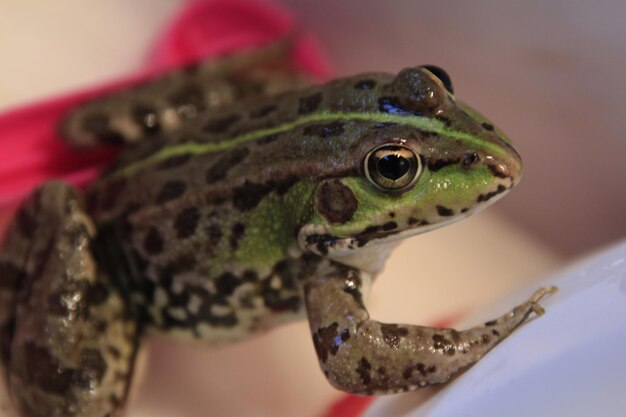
421,160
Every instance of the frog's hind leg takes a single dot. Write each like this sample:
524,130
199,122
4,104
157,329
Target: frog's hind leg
69,337
363,356
168,102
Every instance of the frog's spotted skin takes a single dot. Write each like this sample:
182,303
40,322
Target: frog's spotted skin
173,99
252,214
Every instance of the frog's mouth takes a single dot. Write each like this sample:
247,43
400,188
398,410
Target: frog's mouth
374,241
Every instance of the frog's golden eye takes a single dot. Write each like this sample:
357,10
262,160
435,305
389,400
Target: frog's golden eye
392,167
442,75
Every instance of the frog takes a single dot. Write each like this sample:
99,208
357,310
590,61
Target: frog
245,196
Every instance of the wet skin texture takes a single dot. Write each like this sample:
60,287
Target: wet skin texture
243,199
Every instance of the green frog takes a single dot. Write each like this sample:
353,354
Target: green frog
242,199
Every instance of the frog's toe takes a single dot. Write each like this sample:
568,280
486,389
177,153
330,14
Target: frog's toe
74,339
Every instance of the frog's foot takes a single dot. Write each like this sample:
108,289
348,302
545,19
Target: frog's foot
363,356
70,337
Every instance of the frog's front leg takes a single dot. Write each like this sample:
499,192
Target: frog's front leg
68,333
363,356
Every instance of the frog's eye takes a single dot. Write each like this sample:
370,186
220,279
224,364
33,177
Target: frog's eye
392,167
442,75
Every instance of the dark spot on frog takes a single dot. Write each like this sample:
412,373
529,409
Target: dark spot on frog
98,125
435,165
236,234
391,214
249,276
495,333
280,290
26,223
485,339
181,264
443,344
91,369
37,367
389,226
170,190
393,334
487,126
491,323
324,130
249,195
309,104
420,368
263,111
464,210
321,242
205,312
363,370
444,211
335,201
174,161
186,222
10,276
488,196
114,352
188,100
115,401
97,294
153,242
366,84
220,169
413,221
227,283
147,117
327,341
221,124
286,184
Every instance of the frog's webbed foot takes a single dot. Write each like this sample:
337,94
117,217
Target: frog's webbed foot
68,336
363,356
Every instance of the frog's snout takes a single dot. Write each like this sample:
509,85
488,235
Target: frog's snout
514,164
506,166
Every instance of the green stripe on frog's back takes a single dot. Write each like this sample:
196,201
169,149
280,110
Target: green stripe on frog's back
424,124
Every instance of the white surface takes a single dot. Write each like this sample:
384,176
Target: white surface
569,362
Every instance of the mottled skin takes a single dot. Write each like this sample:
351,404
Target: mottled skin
262,208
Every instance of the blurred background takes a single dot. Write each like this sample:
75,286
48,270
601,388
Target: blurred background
548,73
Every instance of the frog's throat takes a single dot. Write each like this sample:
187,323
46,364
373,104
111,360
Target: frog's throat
365,253
419,122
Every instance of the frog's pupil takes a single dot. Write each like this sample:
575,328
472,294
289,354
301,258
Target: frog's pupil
393,166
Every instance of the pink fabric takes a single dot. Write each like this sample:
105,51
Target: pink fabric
30,149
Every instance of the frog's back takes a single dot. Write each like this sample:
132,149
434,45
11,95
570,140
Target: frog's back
206,217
